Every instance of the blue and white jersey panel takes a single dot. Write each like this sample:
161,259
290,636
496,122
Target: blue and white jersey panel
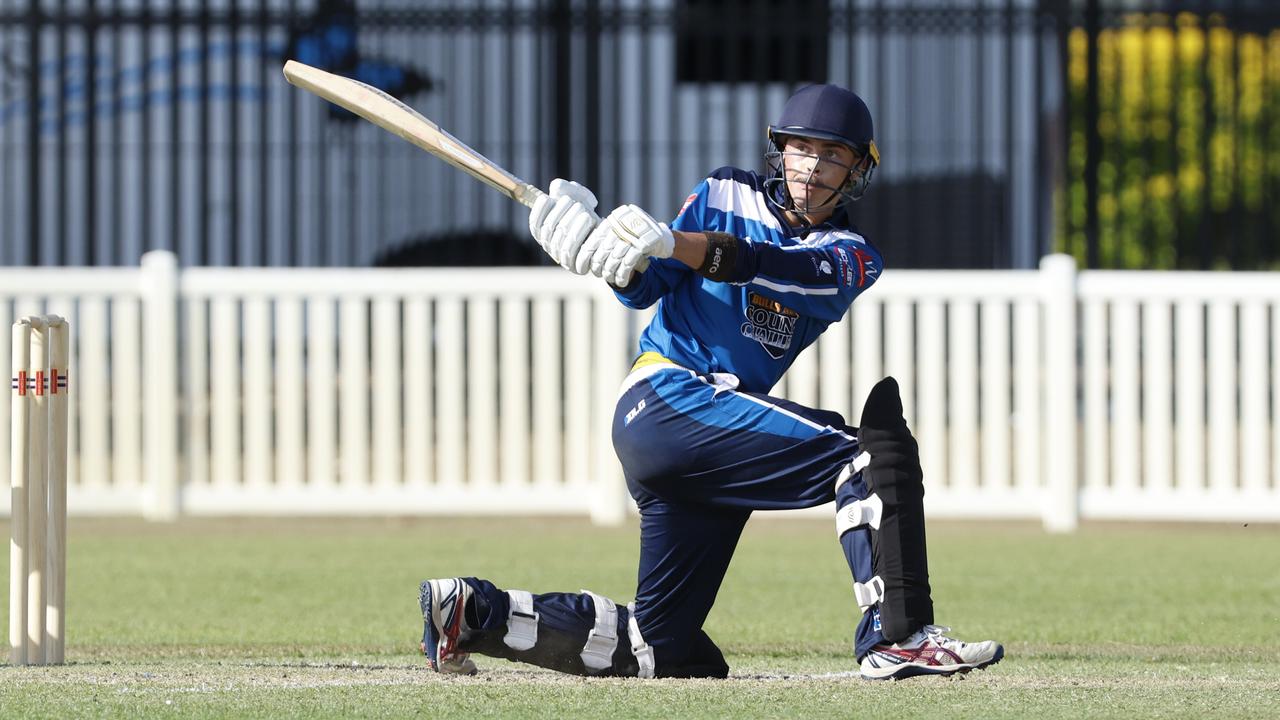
788,285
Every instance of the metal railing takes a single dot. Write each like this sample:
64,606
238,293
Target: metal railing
167,124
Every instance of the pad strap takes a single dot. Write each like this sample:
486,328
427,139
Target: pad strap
522,621
639,648
868,593
859,513
597,653
862,460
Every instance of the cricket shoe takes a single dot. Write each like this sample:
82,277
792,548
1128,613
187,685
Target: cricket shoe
929,652
443,604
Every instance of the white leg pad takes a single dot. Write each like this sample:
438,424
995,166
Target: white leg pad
522,621
597,654
859,513
868,593
639,648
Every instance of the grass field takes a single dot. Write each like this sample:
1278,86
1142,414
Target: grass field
291,618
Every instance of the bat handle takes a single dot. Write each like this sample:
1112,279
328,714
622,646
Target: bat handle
526,194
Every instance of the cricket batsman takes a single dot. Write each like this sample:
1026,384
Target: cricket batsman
751,271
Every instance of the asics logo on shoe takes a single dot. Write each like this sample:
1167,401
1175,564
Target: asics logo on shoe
921,656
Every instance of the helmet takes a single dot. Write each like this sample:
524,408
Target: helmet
824,112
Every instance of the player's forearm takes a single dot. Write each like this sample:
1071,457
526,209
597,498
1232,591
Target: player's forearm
691,248
715,255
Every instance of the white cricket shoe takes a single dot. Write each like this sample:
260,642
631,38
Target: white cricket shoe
929,652
443,604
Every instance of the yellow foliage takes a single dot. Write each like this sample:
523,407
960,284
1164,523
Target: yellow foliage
1161,79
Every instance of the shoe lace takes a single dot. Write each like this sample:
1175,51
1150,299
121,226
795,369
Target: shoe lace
938,634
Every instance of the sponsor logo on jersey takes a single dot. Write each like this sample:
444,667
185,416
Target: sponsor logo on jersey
846,267
769,323
867,270
821,266
687,202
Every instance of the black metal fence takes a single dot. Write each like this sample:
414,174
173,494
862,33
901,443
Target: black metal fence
127,125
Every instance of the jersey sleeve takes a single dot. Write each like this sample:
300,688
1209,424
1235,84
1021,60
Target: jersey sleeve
819,280
648,287
662,275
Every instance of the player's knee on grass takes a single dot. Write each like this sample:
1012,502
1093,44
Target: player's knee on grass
702,660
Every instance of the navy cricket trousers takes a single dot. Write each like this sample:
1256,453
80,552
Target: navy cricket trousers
699,456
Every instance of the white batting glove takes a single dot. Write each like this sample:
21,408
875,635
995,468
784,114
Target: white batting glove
607,256
561,220
622,244
639,230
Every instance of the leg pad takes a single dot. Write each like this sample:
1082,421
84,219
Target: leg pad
893,475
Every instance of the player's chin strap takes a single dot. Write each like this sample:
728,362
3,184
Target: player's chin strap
856,514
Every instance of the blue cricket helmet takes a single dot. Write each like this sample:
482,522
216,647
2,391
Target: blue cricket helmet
828,112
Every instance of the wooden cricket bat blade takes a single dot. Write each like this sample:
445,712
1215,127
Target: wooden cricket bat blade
394,116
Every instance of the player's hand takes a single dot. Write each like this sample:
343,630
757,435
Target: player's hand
638,229
561,221
606,255
622,243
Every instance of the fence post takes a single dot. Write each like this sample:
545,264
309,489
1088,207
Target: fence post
1061,508
160,385
609,501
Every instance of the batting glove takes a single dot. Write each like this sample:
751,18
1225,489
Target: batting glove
638,229
562,220
607,256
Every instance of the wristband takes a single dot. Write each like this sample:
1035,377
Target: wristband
722,255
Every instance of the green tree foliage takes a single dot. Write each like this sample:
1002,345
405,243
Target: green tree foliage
1189,170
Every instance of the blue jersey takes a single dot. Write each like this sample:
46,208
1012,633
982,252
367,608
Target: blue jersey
788,285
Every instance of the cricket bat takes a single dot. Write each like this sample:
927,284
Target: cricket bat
394,116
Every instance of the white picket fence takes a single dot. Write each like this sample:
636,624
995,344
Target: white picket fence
1035,394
